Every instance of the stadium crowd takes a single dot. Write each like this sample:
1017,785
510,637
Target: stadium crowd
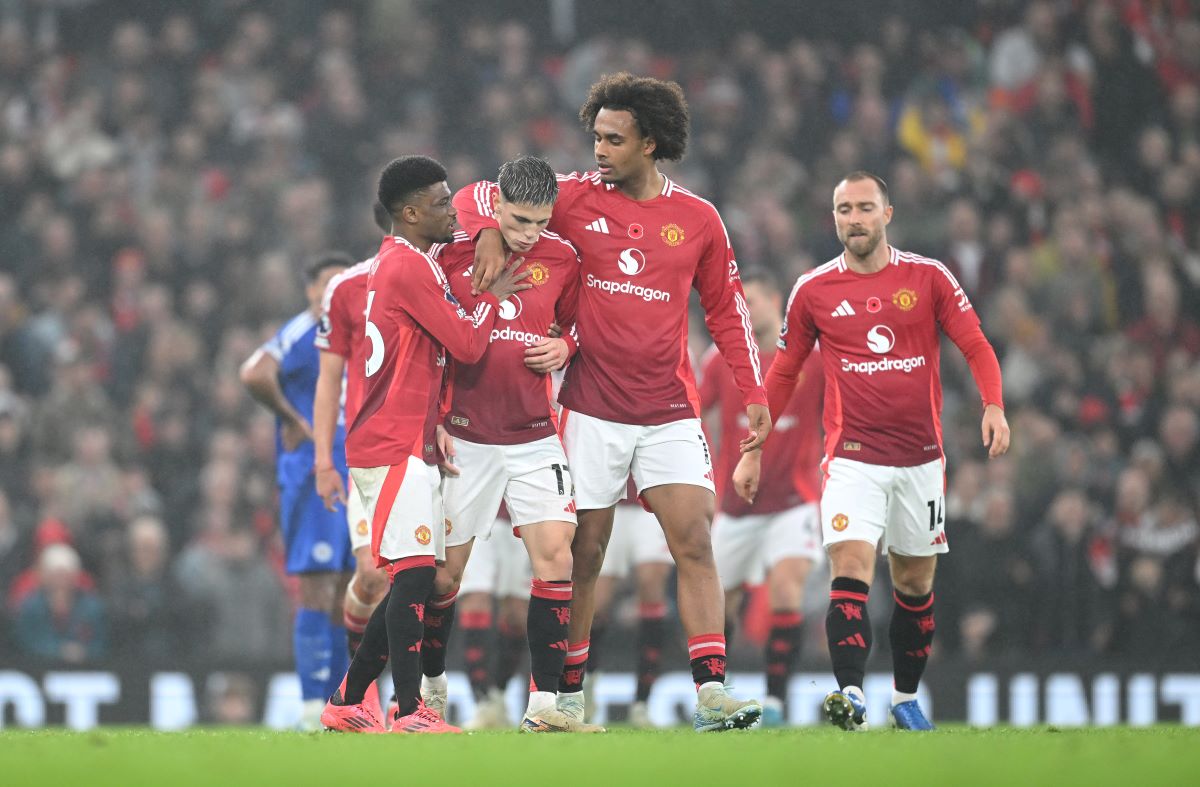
166,169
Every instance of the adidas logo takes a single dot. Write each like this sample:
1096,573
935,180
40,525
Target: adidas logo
599,225
844,309
570,508
856,641
941,539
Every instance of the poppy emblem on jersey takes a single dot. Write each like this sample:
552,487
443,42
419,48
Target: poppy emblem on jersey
631,262
904,299
362,527
880,339
510,308
449,527
671,234
539,274
840,522
635,231
874,305
422,535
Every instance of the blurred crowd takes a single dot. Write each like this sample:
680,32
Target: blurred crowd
167,168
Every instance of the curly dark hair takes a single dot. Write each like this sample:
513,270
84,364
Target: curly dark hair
658,108
404,177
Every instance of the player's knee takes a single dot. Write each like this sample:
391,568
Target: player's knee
586,558
371,585
693,546
913,583
554,564
445,582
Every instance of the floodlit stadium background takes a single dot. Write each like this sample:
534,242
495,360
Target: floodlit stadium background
165,168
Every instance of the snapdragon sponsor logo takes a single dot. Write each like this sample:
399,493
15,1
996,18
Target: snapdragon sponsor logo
627,288
508,334
886,365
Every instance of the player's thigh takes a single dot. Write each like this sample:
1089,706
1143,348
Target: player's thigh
916,517
738,548
599,453
539,483
470,500
315,538
674,453
403,505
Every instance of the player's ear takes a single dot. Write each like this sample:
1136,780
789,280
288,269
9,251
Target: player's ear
648,146
887,215
409,214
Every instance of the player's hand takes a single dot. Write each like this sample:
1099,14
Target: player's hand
489,260
446,445
760,427
554,331
510,281
294,433
330,486
996,434
547,355
746,475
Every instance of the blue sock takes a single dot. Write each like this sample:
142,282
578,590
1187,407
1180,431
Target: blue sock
339,660
310,644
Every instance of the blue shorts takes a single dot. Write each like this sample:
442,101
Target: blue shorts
314,538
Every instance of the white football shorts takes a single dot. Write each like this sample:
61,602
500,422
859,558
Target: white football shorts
603,454
404,506
747,546
902,508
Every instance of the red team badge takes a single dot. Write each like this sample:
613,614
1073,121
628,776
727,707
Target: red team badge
840,522
671,234
904,299
422,535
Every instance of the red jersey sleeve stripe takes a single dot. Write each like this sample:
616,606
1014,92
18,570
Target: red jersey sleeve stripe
748,330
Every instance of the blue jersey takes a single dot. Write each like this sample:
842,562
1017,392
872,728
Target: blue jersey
299,366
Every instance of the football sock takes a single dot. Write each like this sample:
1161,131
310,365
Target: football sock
707,654
405,629
652,627
911,637
848,630
573,668
512,647
370,658
477,631
355,614
783,646
439,622
310,646
549,616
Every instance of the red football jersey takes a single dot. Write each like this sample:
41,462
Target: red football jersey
881,352
639,262
410,316
341,328
791,460
498,400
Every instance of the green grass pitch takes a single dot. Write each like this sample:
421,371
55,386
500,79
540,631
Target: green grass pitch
818,756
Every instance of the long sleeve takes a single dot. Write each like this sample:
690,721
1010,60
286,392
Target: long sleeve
796,341
474,206
960,322
428,300
726,313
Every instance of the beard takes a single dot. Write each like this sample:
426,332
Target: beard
862,245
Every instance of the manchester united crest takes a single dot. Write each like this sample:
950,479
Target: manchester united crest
362,527
449,527
423,535
539,274
671,234
904,299
840,522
